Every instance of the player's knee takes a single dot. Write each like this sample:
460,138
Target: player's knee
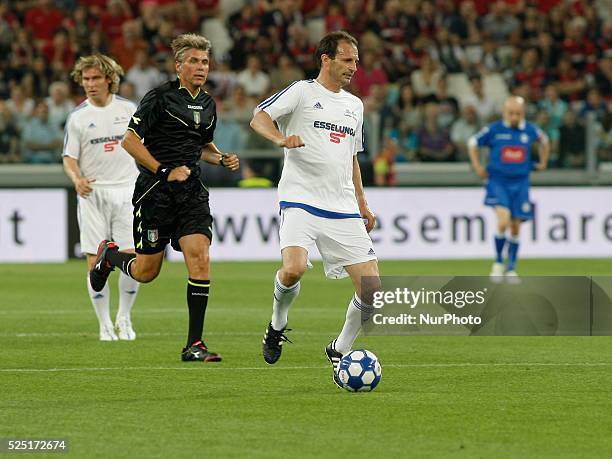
147,274
292,274
369,286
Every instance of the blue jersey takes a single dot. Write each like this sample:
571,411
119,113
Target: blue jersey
509,148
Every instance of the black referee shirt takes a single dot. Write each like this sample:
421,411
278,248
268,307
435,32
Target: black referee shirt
174,125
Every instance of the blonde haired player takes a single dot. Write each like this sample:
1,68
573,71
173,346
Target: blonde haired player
103,174
320,192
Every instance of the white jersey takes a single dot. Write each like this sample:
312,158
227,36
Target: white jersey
319,176
93,137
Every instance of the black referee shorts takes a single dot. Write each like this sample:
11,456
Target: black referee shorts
165,212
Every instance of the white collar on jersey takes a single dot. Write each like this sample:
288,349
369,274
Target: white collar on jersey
521,125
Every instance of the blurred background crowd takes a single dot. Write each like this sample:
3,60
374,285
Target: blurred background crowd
432,72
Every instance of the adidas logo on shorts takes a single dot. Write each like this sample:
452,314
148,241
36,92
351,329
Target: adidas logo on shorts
371,251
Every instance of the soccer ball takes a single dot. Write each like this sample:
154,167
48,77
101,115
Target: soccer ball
359,370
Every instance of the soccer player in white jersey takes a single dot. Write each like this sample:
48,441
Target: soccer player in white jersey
320,192
103,174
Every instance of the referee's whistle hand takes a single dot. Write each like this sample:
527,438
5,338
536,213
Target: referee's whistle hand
179,174
292,141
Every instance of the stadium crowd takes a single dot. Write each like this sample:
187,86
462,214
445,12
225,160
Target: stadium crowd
432,72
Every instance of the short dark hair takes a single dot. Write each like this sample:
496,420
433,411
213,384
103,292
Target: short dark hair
329,44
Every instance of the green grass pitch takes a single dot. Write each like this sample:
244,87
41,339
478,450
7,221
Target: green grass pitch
439,396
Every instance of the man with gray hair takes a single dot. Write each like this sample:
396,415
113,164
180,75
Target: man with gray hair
170,132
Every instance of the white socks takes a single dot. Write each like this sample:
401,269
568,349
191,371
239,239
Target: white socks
101,304
283,297
352,324
128,288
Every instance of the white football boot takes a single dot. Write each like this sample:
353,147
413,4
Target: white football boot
497,273
124,329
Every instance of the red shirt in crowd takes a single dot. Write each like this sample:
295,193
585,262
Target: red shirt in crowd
43,23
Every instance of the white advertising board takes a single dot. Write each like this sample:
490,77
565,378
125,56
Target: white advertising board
33,225
427,223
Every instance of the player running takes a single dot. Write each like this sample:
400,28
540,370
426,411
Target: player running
321,194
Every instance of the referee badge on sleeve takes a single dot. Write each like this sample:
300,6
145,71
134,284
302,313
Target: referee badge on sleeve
152,235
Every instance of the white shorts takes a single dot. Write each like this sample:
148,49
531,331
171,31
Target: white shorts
106,214
341,242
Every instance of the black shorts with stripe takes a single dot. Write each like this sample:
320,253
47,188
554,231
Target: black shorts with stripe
165,212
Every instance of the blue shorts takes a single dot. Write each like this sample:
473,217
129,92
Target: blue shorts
511,193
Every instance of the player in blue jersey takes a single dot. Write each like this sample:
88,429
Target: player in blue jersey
510,162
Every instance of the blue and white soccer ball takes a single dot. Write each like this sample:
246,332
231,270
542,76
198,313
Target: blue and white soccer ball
359,370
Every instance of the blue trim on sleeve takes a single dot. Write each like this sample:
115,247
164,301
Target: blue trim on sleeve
316,211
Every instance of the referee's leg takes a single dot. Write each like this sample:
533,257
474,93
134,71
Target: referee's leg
195,249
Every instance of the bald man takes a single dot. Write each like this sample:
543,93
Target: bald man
507,178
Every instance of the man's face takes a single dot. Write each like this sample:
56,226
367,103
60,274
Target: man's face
514,114
95,84
194,68
344,65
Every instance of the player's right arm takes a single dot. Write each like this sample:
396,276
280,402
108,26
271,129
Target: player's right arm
70,159
82,185
262,124
282,103
144,119
479,139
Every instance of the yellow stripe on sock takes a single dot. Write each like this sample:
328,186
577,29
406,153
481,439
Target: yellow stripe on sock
190,282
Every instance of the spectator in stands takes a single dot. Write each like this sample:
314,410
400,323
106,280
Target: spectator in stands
43,21
124,48
255,82
9,137
548,50
462,129
20,106
572,142
425,80
485,106
368,72
116,14
531,73
42,140
143,75
285,74
301,50
603,76
434,143
39,78
384,163
447,50
448,107
578,47
553,105
59,103
544,121
499,24
594,104
79,26
253,175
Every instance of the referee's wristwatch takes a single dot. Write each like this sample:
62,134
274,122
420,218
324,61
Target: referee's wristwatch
221,160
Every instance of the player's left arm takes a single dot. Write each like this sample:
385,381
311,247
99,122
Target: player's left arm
543,151
212,155
364,210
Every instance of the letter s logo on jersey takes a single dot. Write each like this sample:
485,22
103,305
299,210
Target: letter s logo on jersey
110,146
513,154
335,137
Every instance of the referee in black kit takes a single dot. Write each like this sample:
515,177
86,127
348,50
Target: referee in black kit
170,132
